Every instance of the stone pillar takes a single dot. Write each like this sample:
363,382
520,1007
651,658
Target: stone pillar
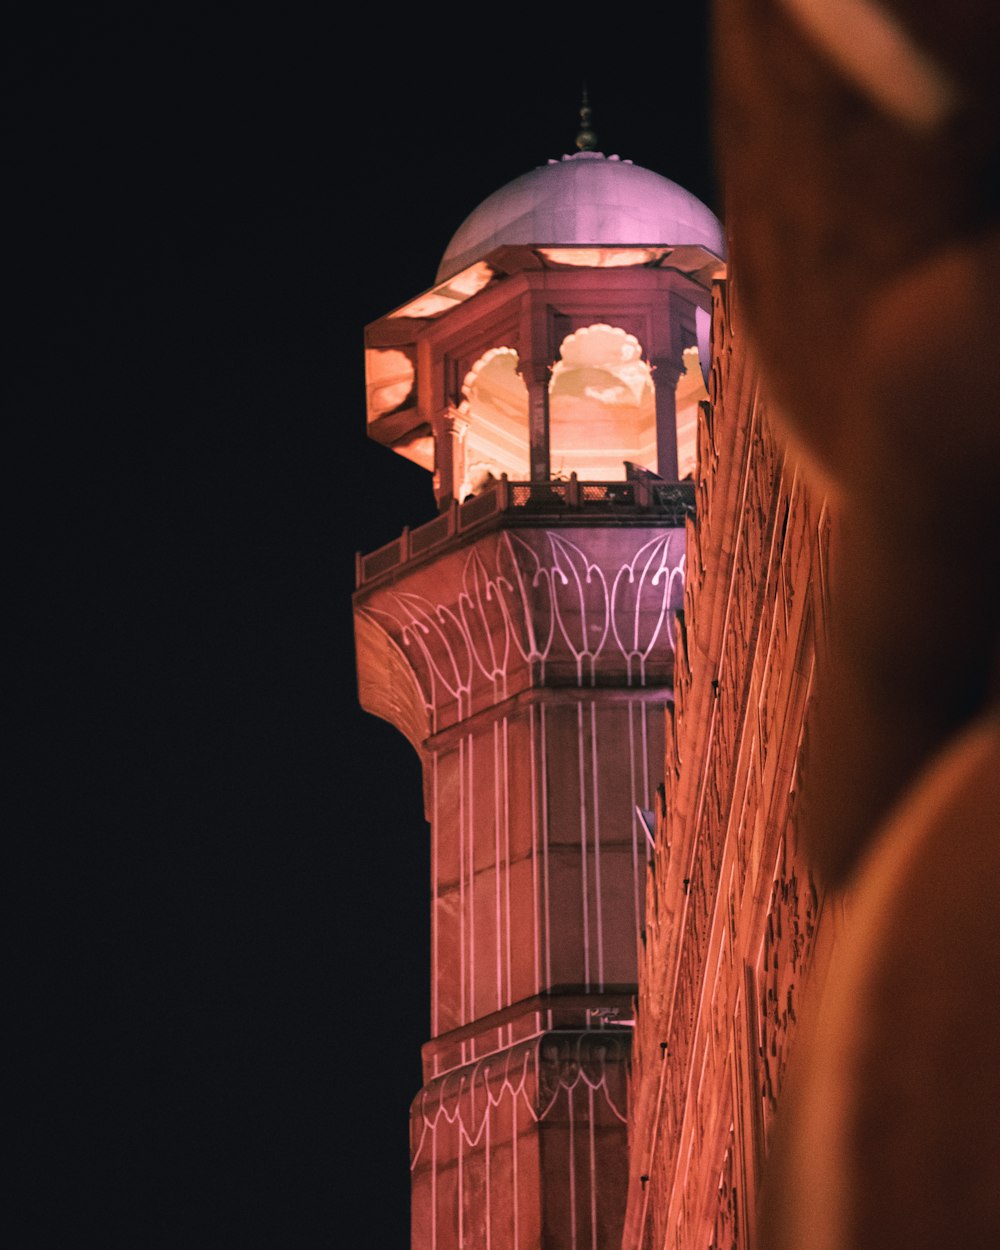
534,367
666,371
451,453
536,379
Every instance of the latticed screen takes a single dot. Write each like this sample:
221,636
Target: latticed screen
609,493
385,558
539,494
477,508
429,535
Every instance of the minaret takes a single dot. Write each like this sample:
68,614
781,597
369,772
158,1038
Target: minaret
523,642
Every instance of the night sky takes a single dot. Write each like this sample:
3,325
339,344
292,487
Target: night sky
225,929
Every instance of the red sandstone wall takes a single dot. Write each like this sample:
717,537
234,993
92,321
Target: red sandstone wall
537,862
525,1148
733,917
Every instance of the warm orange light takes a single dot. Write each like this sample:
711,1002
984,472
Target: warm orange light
448,295
602,257
602,406
389,379
690,392
494,409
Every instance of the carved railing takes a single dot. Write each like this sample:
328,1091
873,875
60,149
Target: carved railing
661,503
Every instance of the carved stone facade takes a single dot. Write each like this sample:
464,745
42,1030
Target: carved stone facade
733,916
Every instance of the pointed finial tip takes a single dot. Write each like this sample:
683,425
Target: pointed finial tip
586,139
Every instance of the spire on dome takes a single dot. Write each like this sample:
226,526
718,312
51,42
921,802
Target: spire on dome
586,140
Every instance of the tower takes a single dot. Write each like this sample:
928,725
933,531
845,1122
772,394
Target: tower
523,642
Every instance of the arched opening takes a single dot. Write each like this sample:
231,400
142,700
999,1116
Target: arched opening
495,408
689,394
602,406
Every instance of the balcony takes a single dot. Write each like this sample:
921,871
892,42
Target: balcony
548,504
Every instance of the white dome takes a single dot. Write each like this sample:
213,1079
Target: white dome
587,198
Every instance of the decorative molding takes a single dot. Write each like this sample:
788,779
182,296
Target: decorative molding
542,600
533,1074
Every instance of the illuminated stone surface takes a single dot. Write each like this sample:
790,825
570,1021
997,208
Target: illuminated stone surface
734,920
530,666
528,644
524,643
586,198
521,704
859,155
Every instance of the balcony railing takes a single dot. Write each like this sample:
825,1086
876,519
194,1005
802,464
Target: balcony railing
661,503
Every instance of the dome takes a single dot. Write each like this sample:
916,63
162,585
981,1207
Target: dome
586,198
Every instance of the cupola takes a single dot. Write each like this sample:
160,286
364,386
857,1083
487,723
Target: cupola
566,334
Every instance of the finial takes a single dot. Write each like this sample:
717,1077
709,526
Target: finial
586,140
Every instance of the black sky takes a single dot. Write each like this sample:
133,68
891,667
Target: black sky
225,935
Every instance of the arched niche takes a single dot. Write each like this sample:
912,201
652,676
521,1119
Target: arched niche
494,408
602,406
